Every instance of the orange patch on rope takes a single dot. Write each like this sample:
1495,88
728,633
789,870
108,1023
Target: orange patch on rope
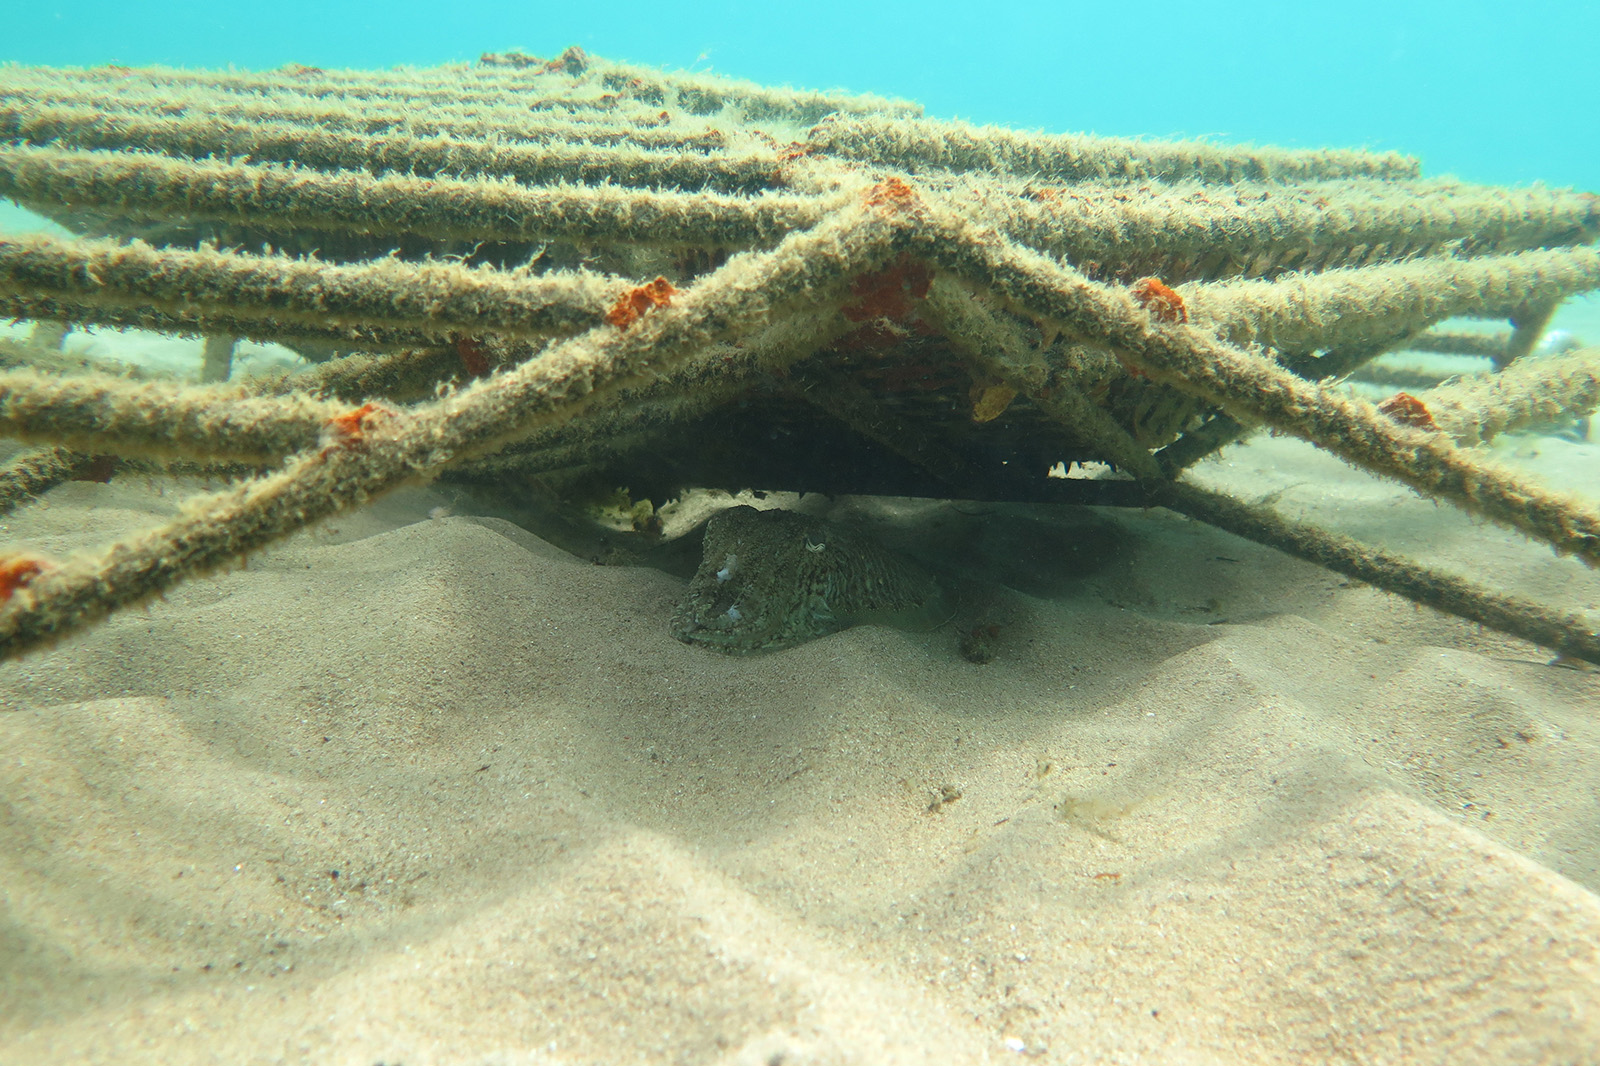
17,571
636,301
1407,410
1157,297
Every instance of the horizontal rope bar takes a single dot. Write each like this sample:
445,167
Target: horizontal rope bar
1528,392
103,413
1187,231
202,136
384,301
479,120
288,198
1376,305
912,144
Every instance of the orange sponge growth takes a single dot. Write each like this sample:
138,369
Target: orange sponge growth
636,301
1407,410
1164,305
889,293
892,193
16,571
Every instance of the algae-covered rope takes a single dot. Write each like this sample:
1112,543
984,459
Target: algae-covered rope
371,450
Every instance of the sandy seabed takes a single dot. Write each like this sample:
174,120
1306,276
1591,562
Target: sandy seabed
426,789
418,787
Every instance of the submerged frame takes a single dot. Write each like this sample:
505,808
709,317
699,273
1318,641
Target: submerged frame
559,262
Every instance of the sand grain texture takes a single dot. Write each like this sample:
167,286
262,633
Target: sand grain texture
429,790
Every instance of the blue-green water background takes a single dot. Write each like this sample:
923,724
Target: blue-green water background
1494,92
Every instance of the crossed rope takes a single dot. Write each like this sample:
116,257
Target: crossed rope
1217,282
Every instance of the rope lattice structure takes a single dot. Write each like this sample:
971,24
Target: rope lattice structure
521,268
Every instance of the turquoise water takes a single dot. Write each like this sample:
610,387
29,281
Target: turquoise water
1489,92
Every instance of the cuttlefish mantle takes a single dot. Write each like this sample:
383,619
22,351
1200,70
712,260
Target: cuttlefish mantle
774,579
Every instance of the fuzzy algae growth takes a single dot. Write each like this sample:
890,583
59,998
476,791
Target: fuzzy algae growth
555,273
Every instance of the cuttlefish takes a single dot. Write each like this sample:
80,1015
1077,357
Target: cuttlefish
774,579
